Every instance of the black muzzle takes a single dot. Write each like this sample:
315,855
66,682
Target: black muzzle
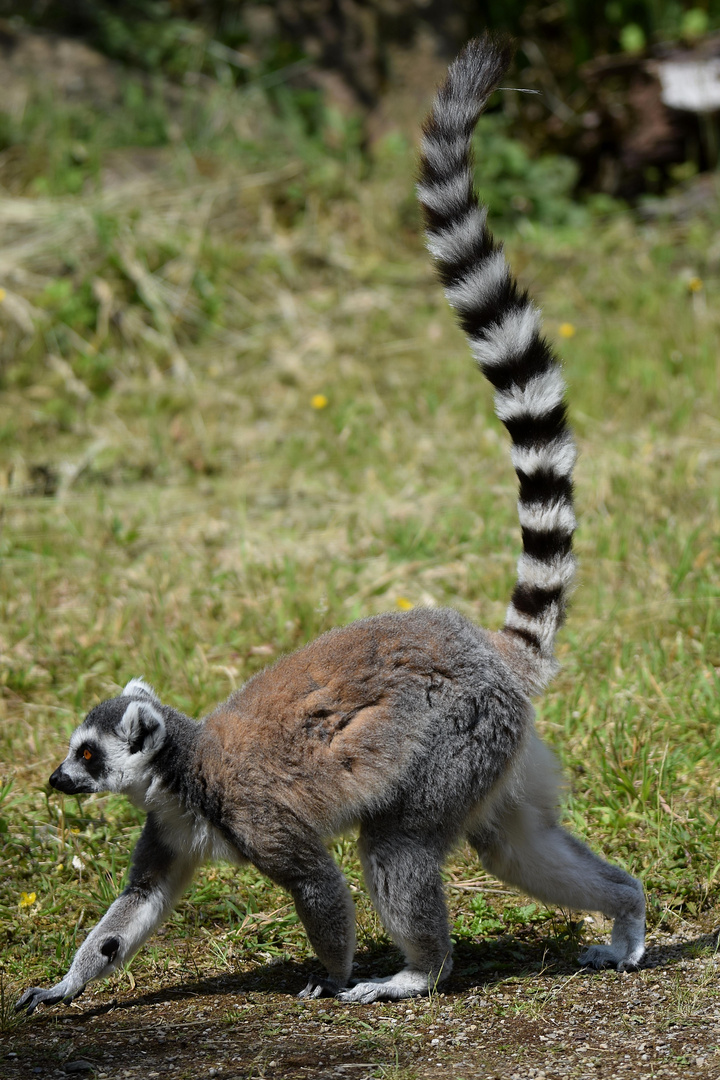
62,782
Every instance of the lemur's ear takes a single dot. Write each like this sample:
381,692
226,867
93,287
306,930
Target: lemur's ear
143,728
138,688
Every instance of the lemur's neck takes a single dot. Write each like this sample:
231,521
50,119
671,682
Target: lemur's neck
173,769
184,796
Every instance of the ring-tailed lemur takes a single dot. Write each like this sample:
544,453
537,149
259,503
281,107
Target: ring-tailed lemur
416,727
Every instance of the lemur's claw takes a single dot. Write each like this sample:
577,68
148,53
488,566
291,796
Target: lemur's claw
37,996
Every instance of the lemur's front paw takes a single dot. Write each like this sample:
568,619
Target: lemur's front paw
37,996
598,957
319,987
605,956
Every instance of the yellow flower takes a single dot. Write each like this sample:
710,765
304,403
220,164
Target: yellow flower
694,284
566,330
27,899
318,401
3,294
404,604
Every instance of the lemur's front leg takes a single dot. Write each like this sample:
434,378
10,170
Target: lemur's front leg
157,880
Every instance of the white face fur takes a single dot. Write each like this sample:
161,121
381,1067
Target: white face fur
112,749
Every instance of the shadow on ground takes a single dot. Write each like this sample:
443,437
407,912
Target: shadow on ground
512,1009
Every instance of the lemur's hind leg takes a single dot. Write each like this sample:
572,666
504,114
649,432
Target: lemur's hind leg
403,878
527,848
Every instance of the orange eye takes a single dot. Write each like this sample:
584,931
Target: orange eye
87,754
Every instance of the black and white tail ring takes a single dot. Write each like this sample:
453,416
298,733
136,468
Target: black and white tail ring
503,327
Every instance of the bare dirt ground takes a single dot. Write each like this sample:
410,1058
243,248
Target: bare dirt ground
557,1021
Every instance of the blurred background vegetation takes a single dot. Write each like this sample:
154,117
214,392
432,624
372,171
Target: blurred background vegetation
592,64
173,34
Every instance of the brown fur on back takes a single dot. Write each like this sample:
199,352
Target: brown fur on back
333,731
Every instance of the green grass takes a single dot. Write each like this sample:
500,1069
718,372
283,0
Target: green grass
175,507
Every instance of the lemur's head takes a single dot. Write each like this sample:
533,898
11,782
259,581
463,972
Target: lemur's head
112,748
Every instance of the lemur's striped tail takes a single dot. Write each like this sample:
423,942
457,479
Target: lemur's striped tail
503,328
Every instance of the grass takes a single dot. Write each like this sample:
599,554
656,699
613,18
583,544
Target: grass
235,412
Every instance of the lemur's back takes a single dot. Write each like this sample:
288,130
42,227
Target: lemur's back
370,715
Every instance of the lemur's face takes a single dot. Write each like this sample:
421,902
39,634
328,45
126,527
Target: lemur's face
112,748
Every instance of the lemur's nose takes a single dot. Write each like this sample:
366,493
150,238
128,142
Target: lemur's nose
61,782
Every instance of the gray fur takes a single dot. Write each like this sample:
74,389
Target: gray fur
415,728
